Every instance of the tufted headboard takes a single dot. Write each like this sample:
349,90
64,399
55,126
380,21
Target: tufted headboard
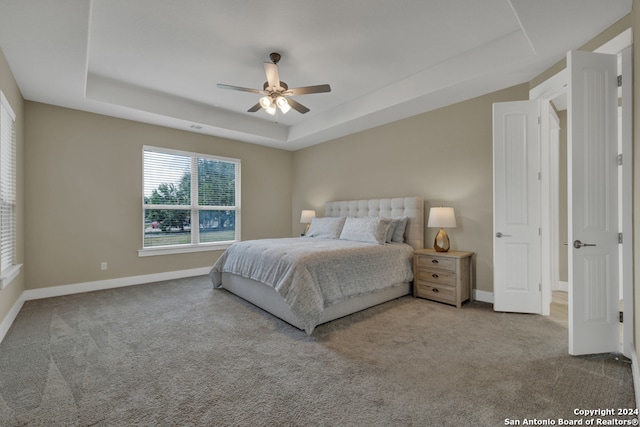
411,207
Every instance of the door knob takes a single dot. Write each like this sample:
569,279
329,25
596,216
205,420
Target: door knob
500,235
578,244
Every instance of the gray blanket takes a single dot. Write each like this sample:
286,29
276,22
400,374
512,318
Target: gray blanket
313,273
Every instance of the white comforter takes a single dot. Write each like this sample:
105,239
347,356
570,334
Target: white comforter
313,273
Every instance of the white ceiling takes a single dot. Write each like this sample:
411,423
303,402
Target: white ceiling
158,61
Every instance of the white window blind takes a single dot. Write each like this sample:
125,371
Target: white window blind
189,199
7,188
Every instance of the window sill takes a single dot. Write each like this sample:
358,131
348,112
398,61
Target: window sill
9,274
182,249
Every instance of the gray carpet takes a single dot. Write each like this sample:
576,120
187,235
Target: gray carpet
182,353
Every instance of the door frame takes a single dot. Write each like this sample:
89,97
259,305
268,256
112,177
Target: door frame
547,91
626,209
550,89
550,184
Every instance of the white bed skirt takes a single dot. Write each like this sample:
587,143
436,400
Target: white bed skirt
268,299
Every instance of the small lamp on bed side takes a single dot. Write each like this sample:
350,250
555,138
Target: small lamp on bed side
442,217
305,218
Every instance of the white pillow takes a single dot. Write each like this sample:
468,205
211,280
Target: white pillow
366,229
329,227
398,233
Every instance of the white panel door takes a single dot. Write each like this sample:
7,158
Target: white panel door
593,204
516,191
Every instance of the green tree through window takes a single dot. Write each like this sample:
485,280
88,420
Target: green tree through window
174,202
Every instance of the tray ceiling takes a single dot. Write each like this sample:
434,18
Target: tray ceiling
158,61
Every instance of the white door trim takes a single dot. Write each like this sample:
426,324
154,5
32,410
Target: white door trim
549,90
549,181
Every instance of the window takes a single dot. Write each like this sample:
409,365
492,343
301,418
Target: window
8,267
191,201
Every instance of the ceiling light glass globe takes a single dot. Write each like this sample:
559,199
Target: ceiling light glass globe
283,104
265,102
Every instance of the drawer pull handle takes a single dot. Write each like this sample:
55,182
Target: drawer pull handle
435,261
436,290
435,276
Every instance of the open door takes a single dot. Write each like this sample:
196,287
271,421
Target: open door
516,200
593,203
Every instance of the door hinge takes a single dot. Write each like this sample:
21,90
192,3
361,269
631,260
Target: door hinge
539,176
539,231
619,81
621,316
619,159
619,237
538,119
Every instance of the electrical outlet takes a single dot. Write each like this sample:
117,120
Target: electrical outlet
103,266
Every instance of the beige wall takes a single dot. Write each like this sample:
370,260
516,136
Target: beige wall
8,86
84,195
445,156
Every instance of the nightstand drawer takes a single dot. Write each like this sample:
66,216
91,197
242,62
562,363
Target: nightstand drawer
440,277
436,262
436,292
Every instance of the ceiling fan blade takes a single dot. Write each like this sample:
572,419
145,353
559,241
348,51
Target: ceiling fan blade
254,108
271,70
297,106
309,89
243,89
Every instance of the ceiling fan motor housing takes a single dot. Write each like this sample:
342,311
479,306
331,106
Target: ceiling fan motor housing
275,57
283,85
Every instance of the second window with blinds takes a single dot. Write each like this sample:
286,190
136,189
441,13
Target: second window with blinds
9,268
191,201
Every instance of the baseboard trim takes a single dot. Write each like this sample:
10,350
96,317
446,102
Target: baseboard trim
10,317
99,285
561,286
483,296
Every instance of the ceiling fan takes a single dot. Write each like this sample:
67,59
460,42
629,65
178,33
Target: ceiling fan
276,92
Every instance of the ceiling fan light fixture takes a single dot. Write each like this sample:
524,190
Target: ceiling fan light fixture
283,104
271,110
266,102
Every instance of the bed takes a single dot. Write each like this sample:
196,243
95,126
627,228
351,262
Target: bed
310,280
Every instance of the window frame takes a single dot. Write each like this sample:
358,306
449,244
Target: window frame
8,273
194,207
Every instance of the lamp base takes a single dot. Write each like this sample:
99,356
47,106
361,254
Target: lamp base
441,243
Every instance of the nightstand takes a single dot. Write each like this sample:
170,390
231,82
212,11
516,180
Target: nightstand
442,276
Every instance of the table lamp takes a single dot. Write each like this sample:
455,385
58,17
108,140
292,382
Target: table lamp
442,217
305,218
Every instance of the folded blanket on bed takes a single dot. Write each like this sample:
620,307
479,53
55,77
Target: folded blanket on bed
312,273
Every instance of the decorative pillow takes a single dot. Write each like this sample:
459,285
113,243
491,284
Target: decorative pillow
392,228
366,229
398,232
329,227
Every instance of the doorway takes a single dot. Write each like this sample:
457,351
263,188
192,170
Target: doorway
554,247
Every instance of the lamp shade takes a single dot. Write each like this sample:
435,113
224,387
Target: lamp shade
306,215
442,217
